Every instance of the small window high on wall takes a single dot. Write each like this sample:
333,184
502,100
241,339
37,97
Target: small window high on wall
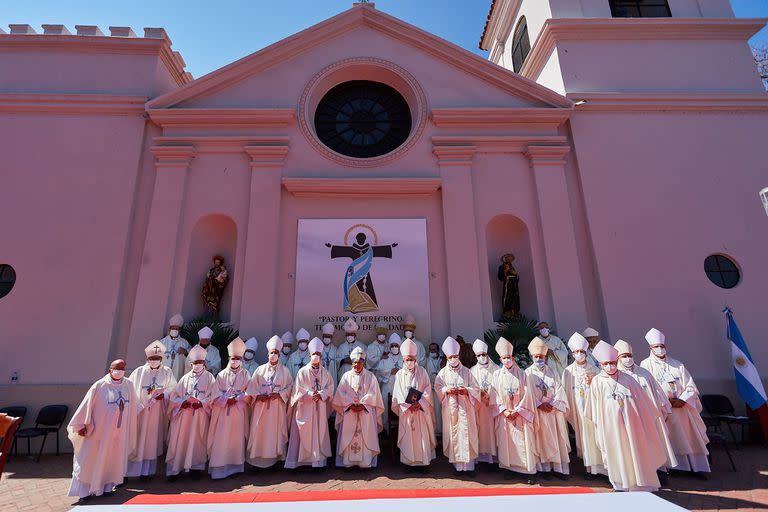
640,8
521,45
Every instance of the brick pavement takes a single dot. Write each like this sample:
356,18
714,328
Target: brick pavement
29,486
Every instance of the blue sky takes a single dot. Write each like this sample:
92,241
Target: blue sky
212,34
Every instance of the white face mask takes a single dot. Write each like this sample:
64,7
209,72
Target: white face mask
410,364
539,363
286,350
454,363
580,357
235,364
508,362
117,374
303,345
273,358
173,333
326,341
350,339
482,360
154,364
409,334
610,368
434,355
198,367
381,337
659,351
394,350
315,359
627,362
248,356
544,332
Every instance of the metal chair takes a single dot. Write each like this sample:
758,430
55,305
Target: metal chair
49,420
721,408
17,411
393,425
7,440
716,437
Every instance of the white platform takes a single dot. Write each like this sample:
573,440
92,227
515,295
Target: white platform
623,501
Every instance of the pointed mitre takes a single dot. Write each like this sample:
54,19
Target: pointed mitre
655,337
357,354
176,321
287,337
537,346
302,335
252,344
504,348
316,345
408,348
590,332
604,352
479,347
395,338
205,333
197,353
450,347
236,348
622,347
578,342
156,348
350,326
275,343
329,329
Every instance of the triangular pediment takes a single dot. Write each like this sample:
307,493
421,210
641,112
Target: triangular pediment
465,78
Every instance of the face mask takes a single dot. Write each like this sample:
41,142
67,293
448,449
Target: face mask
117,374
273,358
350,339
198,367
659,351
482,359
235,364
544,332
326,341
394,350
381,337
628,362
303,345
173,333
315,359
539,363
610,368
155,364
580,357
410,365
286,350
454,362
409,334
508,362
433,355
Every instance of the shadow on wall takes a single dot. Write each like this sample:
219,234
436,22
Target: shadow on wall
506,233
213,234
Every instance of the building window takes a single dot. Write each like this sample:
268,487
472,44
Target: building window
521,45
722,271
363,119
7,279
640,9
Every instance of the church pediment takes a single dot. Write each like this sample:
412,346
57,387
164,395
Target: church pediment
277,76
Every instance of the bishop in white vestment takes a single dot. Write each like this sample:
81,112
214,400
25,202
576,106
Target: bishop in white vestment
176,347
359,408
377,347
434,363
103,434
409,328
557,355
486,410
330,361
153,384
269,391
249,358
343,351
300,357
212,356
390,363
287,350
229,416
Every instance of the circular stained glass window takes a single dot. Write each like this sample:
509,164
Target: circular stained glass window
7,279
722,271
362,119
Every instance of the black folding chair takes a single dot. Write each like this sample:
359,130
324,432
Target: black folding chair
393,425
17,411
49,421
716,437
721,408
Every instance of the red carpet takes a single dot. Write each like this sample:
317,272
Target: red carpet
370,494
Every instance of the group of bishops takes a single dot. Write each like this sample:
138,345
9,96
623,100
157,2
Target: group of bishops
631,422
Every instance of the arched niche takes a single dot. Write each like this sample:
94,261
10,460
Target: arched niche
507,233
212,234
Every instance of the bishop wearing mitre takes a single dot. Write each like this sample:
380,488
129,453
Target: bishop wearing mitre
486,410
153,383
359,410
229,416
269,391
309,443
176,347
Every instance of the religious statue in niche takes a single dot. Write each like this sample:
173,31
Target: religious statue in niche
359,295
213,289
510,291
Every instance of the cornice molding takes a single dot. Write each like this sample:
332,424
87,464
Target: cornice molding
222,144
499,117
222,117
267,155
670,102
494,144
172,156
362,187
102,44
633,29
547,155
90,104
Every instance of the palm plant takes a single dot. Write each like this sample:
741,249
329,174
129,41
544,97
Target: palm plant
518,330
223,333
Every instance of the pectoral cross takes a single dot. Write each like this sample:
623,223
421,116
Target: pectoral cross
171,352
194,393
271,384
152,386
542,387
120,401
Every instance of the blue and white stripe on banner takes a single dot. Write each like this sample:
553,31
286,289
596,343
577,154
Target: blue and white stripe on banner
748,380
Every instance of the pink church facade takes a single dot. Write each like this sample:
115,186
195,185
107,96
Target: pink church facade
621,155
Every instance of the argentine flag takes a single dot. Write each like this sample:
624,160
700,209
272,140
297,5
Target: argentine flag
748,381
